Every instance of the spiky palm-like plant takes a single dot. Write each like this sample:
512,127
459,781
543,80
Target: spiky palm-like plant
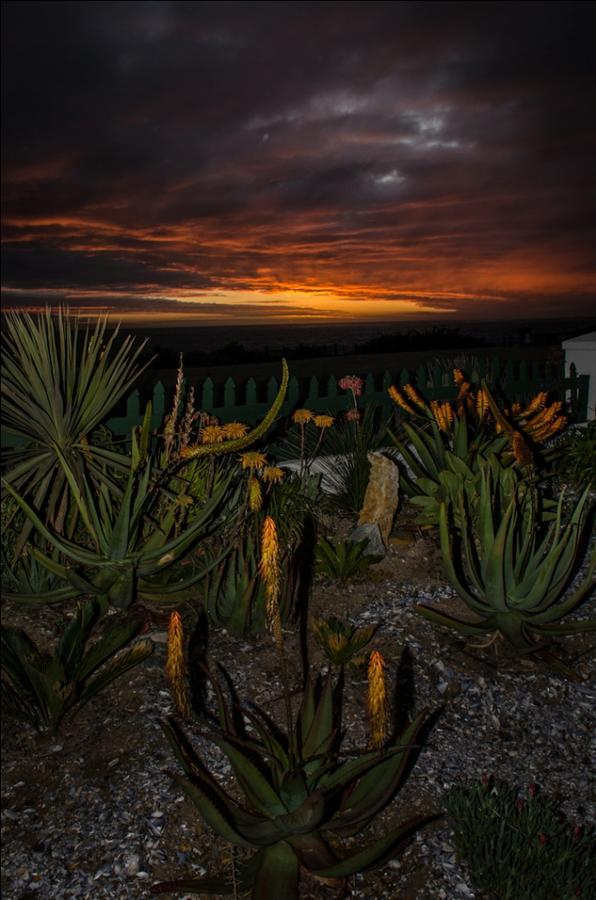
59,382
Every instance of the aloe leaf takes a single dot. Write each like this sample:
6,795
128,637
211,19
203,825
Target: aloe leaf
109,643
440,618
448,559
277,874
376,787
124,661
580,627
321,727
259,791
375,854
494,566
557,611
220,819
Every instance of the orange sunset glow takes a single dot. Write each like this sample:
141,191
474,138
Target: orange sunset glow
319,162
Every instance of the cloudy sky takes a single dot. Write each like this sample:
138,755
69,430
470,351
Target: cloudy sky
295,161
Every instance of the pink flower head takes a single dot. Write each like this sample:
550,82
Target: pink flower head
543,838
353,415
532,790
352,383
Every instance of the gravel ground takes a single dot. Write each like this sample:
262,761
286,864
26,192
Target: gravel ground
94,813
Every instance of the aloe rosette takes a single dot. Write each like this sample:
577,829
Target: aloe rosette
516,571
42,688
299,796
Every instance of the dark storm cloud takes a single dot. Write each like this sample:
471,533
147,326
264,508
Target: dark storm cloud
376,150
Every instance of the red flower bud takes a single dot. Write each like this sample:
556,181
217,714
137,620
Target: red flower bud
532,790
543,838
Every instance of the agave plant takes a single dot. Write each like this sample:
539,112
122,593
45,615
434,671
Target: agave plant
515,569
42,688
343,560
298,794
58,383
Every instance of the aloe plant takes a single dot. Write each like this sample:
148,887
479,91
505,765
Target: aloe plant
342,643
129,550
58,383
343,560
234,594
42,688
298,793
513,570
133,541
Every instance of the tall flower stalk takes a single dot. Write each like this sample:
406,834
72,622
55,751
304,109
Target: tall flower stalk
176,665
270,571
377,700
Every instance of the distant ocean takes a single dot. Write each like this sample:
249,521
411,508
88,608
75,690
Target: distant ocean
344,337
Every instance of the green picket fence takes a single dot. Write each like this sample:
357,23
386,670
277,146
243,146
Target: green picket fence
250,401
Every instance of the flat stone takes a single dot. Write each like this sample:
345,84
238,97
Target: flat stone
372,534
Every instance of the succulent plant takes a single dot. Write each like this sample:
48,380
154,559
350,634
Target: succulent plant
298,794
342,643
518,845
42,688
343,560
133,539
516,568
58,383
445,443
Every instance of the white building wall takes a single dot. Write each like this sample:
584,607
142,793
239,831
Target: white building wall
581,351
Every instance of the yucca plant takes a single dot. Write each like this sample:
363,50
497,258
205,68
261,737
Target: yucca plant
298,793
519,845
42,688
512,569
343,644
344,560
59,381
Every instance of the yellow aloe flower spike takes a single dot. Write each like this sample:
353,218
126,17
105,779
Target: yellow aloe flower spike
253,459
463,390
459,377
435,408
482,405
302,416
535,403
521,451
269,570
397,398
255,495
377,699
176,665
414,396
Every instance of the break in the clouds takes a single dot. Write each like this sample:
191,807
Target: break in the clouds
278,161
